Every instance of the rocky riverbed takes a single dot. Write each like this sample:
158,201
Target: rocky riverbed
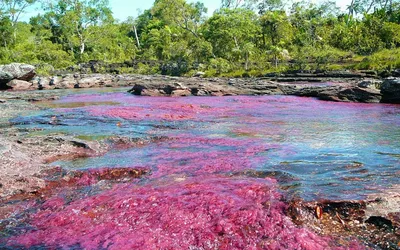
38,141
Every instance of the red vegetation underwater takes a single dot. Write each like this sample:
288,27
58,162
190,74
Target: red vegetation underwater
187,191
194,213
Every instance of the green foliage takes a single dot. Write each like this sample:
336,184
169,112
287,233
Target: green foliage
6,32
242,39
383,60
308,58
110,44
73,21
220,65
230,30
145,69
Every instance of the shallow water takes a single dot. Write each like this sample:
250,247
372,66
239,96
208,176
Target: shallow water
314,149
324,150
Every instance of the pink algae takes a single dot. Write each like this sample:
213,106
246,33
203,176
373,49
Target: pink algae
192,156
196,213
188,201
157,111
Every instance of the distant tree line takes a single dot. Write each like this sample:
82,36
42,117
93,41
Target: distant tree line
243,37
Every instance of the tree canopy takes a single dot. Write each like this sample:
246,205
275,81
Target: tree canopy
243,37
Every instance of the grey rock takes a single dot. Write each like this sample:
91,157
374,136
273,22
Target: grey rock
158,88
55,80
5,77
391,90
67,82
370,83
44,83
341,74
91,81
344,92
360,95
17,71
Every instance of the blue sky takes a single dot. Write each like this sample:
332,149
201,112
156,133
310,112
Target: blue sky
124,8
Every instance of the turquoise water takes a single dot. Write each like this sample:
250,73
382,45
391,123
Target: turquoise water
316,149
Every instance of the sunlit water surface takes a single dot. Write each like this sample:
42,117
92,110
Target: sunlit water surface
319,150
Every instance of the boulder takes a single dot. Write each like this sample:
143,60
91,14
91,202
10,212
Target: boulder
5,77
357,94
19,85
334,93
88,82
67,82
391,90
92,81
321,92
17,71
396,73
159,89
44,83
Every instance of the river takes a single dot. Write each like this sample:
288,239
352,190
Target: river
218,169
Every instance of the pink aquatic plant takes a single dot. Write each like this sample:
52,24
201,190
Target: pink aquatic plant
158,111
187,197
195,213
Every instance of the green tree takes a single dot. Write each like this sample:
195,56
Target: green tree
10,13
14,8
71,21
6,32
229,30
181,14
110,43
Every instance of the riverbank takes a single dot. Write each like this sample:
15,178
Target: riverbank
342,88
338,86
